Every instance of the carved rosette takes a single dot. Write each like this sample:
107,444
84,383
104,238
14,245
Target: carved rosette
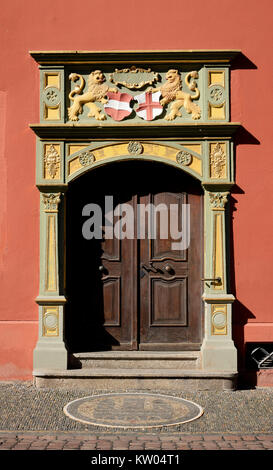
51,201
216,94
52,96
52,162
218,200
86,158
184,158
135,148
218,162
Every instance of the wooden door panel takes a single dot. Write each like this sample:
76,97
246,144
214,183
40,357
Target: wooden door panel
170,299
111,301
101,274
162,248
119,287
168,302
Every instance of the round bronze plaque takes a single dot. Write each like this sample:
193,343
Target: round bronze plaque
132,410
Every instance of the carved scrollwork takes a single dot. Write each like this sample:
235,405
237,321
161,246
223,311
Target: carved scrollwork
137,71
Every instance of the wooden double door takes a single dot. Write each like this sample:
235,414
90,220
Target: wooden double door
137,292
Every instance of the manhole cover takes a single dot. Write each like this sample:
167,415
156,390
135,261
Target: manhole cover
132,410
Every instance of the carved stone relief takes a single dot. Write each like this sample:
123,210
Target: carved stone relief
184,158
52,163
218,162
135,148
51,201
99,92
218,200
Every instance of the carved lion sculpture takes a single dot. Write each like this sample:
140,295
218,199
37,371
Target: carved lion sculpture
97,91
171,90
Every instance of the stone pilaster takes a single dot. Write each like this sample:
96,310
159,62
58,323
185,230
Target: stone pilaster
218,351
50,351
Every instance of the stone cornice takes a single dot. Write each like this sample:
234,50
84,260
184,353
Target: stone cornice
152,130
218,56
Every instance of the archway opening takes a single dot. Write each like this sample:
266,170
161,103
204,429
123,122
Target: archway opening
133,293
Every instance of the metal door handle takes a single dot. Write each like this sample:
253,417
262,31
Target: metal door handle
149,268
212,279
168,268
101,268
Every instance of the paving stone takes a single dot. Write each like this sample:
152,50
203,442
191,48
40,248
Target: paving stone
195,438
249,438
232,438
265,437
231,420
212,437
88,447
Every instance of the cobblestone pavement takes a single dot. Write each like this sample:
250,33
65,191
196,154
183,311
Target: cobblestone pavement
135,441
32,419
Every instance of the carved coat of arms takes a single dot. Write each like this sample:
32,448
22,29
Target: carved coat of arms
151,103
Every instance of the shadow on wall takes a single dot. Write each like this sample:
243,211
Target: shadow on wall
241,314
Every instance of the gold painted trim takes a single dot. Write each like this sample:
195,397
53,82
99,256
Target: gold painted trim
149,149
212,113
51,261
218,72
52,74
53,330
218,256
52,113
222,329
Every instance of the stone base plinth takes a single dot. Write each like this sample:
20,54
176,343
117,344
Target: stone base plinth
145,379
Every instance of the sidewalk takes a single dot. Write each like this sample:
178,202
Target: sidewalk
32,419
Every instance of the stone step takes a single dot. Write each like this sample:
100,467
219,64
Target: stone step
136,360
122,379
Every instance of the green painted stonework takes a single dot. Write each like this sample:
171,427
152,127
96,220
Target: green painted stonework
215,173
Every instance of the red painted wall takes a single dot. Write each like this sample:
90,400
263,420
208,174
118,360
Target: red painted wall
132,25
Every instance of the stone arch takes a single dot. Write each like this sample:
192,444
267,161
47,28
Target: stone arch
186,158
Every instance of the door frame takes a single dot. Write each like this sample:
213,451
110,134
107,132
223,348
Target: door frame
199,143
218,351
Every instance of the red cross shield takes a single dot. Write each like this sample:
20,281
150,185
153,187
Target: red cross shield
149,106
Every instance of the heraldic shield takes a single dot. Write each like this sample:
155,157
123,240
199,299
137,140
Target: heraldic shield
149,106
118,105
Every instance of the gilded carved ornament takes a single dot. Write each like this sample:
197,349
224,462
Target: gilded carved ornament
86,158
170,91
184,158
218,200
97,91
52,161
135,148
51,201
218,162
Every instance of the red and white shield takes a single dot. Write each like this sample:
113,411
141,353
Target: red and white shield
118,106
149,106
